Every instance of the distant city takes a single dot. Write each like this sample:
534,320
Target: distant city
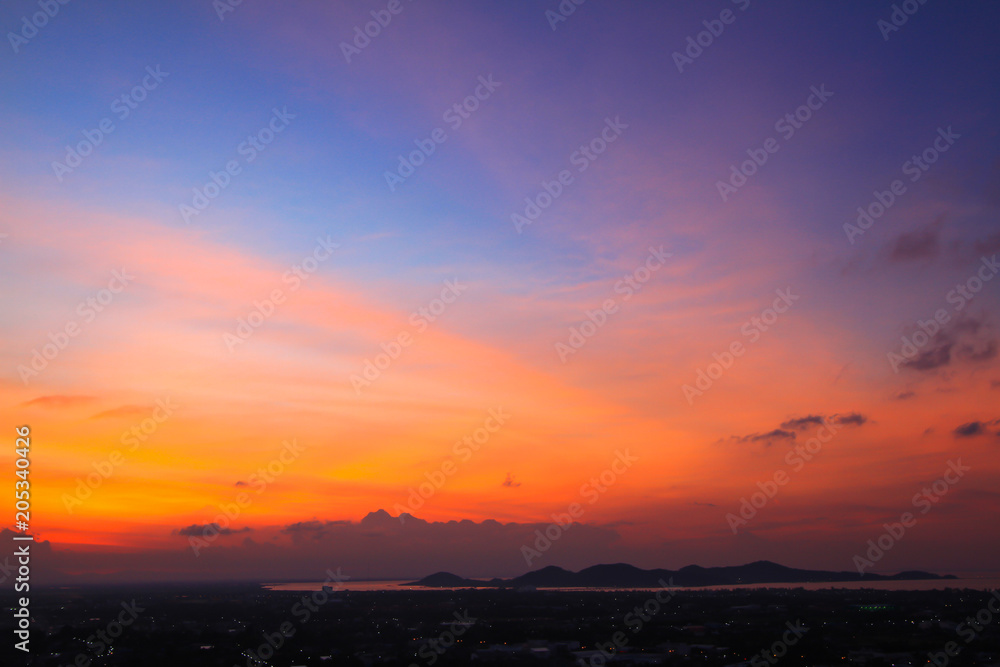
239,624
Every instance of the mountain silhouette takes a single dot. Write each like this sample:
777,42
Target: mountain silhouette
623,575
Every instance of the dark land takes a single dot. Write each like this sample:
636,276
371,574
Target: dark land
225,625
621,575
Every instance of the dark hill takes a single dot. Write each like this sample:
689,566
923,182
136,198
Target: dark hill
622,575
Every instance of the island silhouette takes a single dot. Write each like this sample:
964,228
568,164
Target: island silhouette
623,575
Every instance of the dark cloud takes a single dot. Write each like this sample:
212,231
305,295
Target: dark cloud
936,356
788,428
968,339
977,351
510,481
304,526
196,529
776,434
378,546
970,430
975,428
803,423
241,483
313,526
850,419
920,244
207,529
904,395
382,546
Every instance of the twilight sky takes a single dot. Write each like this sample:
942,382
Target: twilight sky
489,263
